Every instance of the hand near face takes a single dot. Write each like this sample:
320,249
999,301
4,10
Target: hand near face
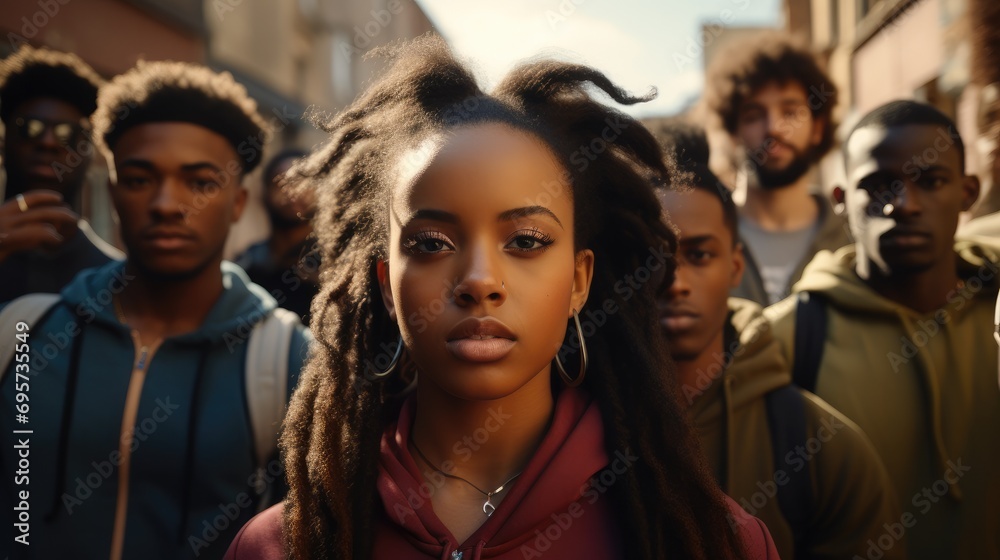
46,224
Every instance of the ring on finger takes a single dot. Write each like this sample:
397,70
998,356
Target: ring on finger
21,203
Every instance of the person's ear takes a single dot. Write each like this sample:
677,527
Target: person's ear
240,202
739,265
818,130
838,195
582,277
385,287
970,191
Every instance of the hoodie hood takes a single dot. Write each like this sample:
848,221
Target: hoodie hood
557,475
833,276
240,306
751,365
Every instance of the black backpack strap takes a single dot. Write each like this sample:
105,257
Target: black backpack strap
786,418
810,337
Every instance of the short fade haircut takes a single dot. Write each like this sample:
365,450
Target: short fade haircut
686,146
294,154
908,112
746,66
154,92
32,73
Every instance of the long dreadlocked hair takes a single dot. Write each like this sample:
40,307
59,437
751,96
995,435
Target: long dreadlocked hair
668,501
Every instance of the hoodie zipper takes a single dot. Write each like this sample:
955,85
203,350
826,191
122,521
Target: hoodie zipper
143,355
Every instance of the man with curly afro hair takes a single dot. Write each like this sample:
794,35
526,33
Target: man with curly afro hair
776,102
155,420
46,100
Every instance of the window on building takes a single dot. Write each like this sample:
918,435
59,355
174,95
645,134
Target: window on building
834,22
864,6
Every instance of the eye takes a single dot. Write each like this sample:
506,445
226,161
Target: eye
427,242
933,183
530,240
880,186
202,184
134,181
697,256
751,116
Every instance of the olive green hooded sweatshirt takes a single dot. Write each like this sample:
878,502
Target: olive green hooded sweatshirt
853,499
924,389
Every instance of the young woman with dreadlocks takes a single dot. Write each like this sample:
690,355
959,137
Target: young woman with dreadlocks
490,251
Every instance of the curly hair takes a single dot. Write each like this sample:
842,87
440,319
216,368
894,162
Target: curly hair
669,501
742,68
182,92
30,73
686,145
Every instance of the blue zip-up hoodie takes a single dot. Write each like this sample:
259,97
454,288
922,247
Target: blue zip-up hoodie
191,467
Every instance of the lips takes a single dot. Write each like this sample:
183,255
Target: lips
904,238
43,170
678,320
777,148
480,340
168,239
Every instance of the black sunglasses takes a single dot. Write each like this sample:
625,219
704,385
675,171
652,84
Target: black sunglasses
31,128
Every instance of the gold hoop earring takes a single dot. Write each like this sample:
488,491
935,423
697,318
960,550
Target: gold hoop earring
570,382
392,364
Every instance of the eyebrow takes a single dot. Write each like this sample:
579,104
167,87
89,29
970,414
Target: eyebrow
505,216
526,211
883,174
190,167
936,168
201,165
786,102
140,163
434,215
698,239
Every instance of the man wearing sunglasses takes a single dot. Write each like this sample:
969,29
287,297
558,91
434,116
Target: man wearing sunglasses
46,99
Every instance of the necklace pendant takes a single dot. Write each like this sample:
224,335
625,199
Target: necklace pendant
488,507
456,555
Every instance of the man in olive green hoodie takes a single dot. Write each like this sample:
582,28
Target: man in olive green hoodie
907,349
783,454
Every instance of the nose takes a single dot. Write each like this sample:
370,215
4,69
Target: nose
905,202
681,286
48,139
168,202
480,281
774,121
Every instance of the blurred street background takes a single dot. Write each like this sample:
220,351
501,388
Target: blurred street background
296,56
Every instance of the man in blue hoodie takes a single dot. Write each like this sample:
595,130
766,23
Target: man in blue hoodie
131,425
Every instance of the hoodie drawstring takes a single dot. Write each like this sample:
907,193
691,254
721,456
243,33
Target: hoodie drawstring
69,402
188,475
727,464
446,552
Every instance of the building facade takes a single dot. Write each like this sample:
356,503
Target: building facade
881,50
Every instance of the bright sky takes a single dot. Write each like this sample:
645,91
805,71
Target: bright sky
637,43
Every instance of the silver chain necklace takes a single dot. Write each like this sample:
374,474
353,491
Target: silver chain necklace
488,507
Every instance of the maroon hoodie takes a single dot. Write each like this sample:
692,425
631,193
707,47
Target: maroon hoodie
557,509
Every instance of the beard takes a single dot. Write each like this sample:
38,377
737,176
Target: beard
773,179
